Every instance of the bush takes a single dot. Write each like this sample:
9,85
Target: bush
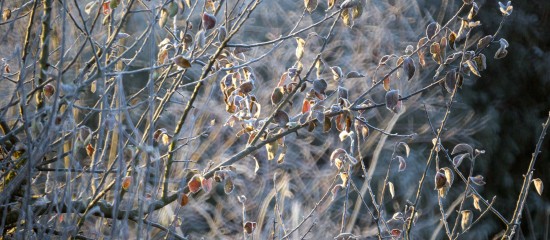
258,119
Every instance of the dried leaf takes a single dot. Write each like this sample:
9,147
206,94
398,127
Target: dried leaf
277,95
408,67
450,80
406,146
222,33
539,185
281,118
249,227
457,160
402,164
349,4
391,188
449,176
271,149
194,184
327,124
392,100
347,18
473,11
90,149
478,180
320,85
476,202
395,233
228,187
49,90
387,83
345,177
208,21
126,183
432,29
357,11
182,62
206,184
467,218
484,42
440,180
184,200
337,73
463,147
334,191
300,48
163,18
481,62
435,50
310,5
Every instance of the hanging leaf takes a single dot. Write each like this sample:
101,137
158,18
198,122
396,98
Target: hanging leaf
396,233
126,183
449,176
249,227
408,67
271,149
357,11
435,50
506,10
473,11
194,184
391,188
346,18
327,124
337,73
208,21
206,184
432,29
450,80
222,33
331,4
320,85
387,83
182,62
228,187
392,100
163,18
481,62
452,40
300,48
440,180
277,95
172,9
453,57
402,164
310,5
476,202
184,200
467,218
421,51
281,118
406,146
484,42
539,186
344,176
90,149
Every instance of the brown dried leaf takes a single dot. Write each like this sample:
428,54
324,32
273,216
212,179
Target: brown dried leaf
539,185
467,218
408,67
194,184
182,62
432,29
392,100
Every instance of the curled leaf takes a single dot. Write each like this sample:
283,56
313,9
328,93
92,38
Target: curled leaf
228,187
432,29
467,218
539,186
463,147
402,164
310,5
249,227
182,62
449,176
478,180
208,21
440,180
457,160
300,48
476,202
184,200
354,74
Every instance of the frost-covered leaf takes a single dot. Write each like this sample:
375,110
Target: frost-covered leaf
392,100
432,29
463,147
300,48
457,160
478,180
310,5
354,74
402,164
408,67
440,180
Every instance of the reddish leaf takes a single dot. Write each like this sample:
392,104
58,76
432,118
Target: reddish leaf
194,184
